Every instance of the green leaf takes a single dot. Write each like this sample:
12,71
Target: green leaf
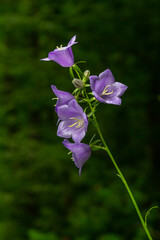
97,141
92,138
92,99
148,212
119,176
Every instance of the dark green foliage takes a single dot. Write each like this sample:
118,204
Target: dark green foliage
41,195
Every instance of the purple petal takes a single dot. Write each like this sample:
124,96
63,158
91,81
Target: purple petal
80,152
70,146
72,41
64,112
62,57
81,155
105,89
114,100
45,59
93,80
100,99
99,84
108,76
74,105
78,135
75,121
119,89
63,97
85,118
63,130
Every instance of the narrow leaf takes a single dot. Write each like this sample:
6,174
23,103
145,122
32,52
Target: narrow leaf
148,212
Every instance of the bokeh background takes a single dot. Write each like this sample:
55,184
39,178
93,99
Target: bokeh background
41,195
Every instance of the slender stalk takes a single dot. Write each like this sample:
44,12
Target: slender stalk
119,171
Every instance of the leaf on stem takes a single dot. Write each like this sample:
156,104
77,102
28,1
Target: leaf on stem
119,176
148,212
92,138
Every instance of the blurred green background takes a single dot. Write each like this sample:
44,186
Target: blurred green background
41,195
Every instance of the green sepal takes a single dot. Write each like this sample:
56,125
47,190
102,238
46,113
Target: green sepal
90,93
96,148
86,109
80,62
71,72
77,68
75,90
95,142
81,101
92,99
89,114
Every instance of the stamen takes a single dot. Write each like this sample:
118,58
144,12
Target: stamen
70,152
74,118
108,93
105,91
73,124
54,98
80,122
60,48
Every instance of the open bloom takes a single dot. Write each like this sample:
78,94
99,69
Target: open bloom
105,89
62,97
80,153
74,121
62,55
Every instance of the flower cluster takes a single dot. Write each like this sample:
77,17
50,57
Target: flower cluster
72,120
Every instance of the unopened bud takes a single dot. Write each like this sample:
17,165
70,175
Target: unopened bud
77,83
87,73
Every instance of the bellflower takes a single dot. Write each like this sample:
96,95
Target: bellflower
80,153
63,97
62,55
105,89
73,123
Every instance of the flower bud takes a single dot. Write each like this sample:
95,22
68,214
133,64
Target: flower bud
77,83
87,73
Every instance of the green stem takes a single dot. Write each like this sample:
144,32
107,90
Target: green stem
119,171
